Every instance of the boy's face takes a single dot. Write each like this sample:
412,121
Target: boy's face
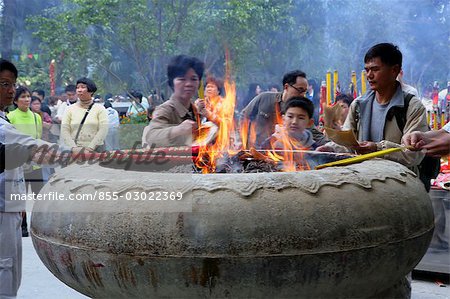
296,120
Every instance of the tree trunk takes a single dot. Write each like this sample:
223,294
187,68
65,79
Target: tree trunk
7,28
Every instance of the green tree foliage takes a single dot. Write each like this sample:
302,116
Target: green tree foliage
126,44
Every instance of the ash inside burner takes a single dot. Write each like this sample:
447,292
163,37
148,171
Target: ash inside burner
241,162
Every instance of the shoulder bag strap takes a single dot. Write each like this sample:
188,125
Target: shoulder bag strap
35,124
82,122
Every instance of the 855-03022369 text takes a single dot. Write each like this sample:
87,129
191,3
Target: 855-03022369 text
102,196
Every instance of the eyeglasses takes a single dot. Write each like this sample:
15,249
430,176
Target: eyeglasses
300,90
7,85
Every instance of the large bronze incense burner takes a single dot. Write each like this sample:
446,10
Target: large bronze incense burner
347,232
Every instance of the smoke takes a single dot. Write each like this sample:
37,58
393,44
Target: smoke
266,38
421,29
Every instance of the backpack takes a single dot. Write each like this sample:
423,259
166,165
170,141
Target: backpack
430,167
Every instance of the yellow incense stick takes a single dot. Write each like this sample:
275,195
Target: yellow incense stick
361,158
354,81
201,90
363,82
328,78
335,82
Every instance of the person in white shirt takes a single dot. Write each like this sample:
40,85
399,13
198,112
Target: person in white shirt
406,87
71,99
137,104
112,139
16,149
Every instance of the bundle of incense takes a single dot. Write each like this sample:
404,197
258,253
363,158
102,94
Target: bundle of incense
201,90
362,158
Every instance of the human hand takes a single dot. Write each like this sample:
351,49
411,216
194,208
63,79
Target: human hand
437,146
325,148
44,155
279,132
80,150
186,127
201,107
365,147
415,140
200,103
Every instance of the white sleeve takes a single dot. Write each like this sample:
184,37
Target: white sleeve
447,127
61,110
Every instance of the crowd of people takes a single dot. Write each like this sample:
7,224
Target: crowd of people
91,124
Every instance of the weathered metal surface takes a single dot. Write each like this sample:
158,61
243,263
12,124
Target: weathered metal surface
336,233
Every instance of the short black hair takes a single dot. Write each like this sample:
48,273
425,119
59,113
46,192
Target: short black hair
300,102
20,90
291,77
388,53
313,84
107,104
136,94
274,86
35,98
6,65
40,92
179,65
108,96
91,87
70,88
346,98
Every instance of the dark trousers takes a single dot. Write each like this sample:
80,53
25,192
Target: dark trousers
36,181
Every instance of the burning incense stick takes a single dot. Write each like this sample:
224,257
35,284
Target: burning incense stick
201,90
335,85
363,82
328,77
355,87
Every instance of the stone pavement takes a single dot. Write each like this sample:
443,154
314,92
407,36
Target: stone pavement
39,283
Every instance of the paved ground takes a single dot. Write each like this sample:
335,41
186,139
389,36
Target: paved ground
39,283
429,290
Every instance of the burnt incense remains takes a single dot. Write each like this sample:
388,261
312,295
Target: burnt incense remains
179,160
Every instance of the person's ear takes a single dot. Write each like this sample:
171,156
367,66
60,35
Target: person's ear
311,122
396,69
285,86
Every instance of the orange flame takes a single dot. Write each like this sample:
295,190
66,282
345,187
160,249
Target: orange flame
247,133
223,114
244,132
223,111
